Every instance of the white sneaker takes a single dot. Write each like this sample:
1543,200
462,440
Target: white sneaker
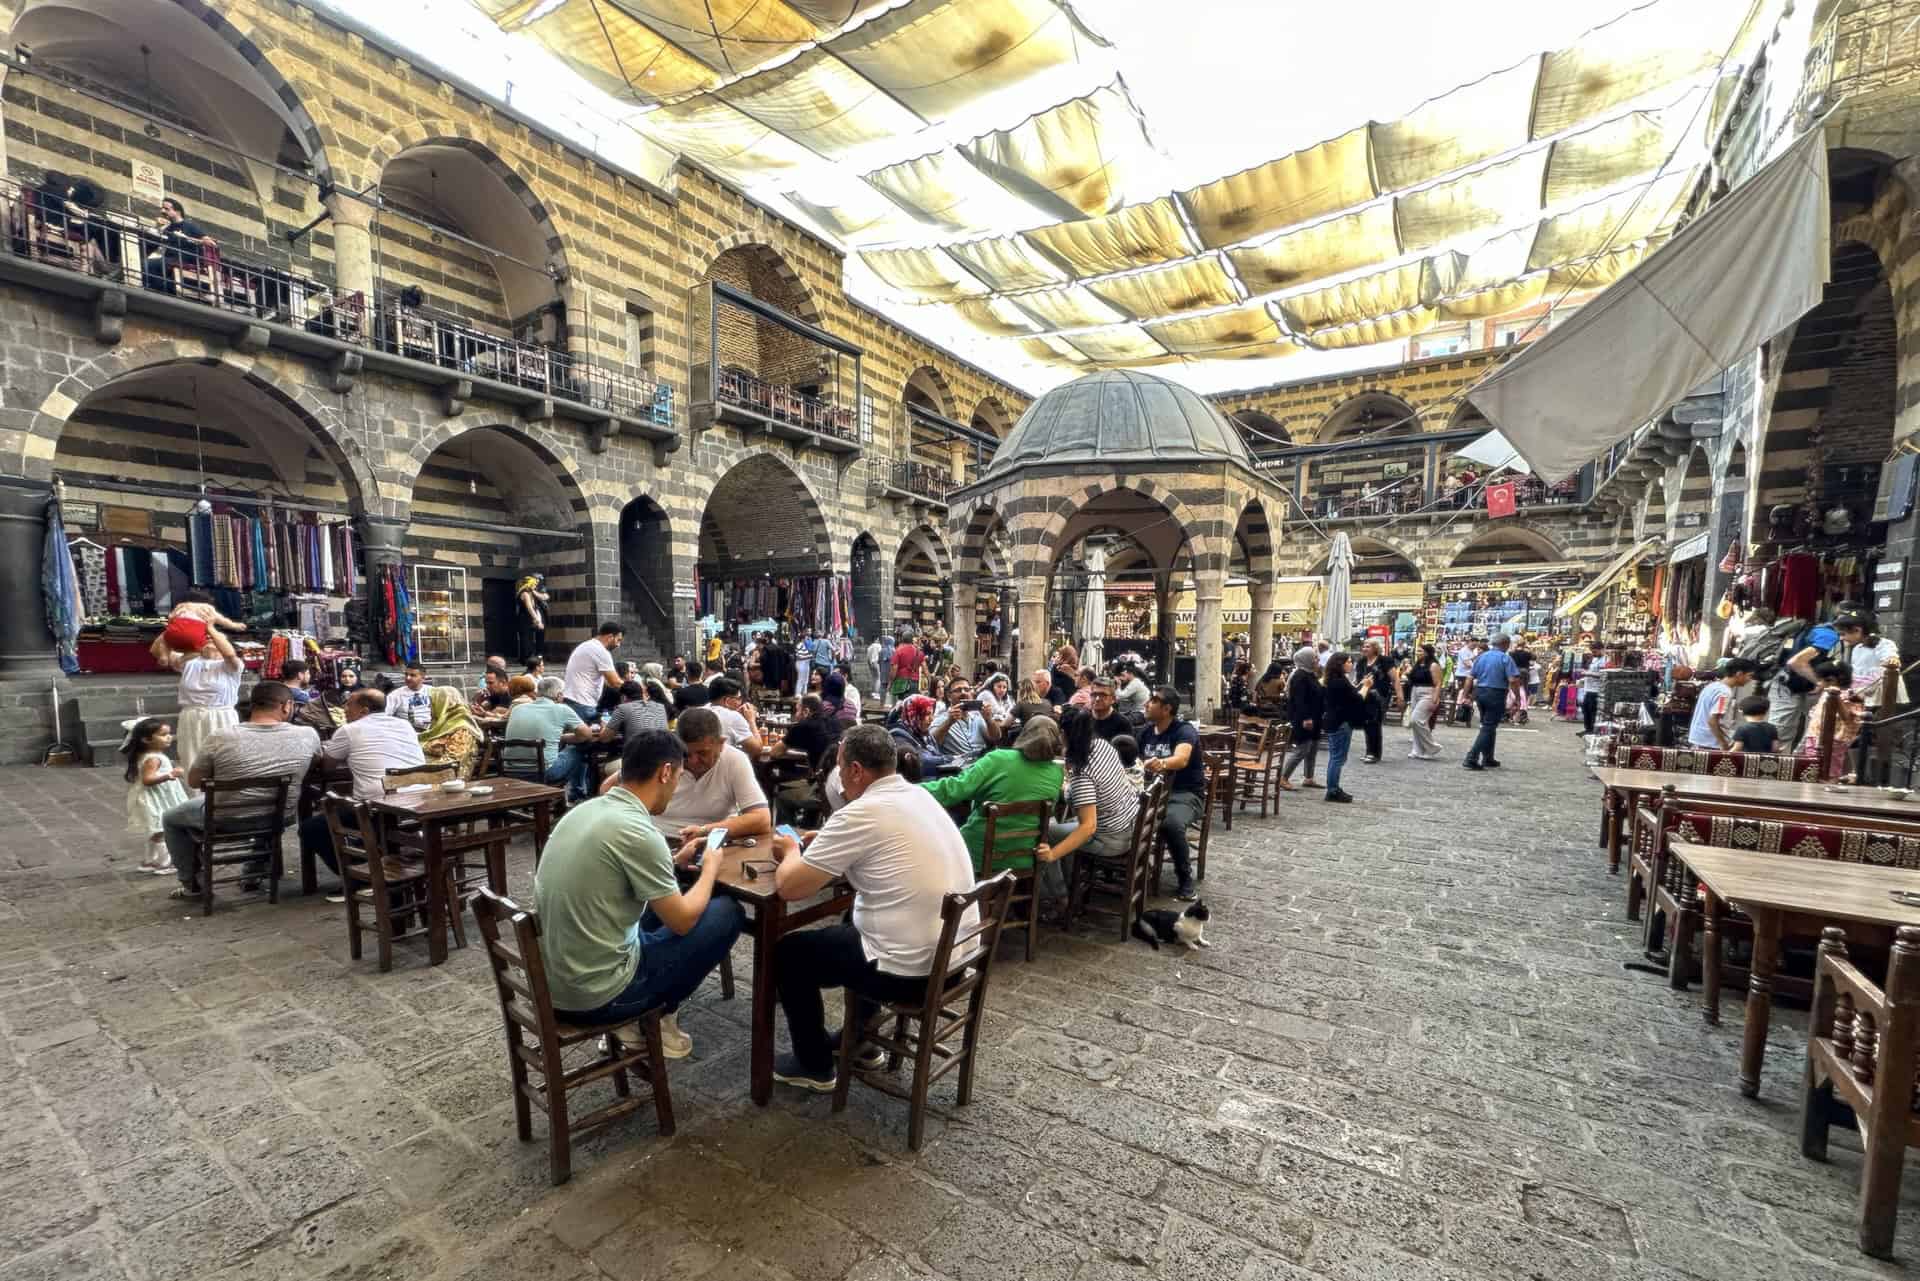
674,1043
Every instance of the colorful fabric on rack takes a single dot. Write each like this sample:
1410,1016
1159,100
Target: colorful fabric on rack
90,570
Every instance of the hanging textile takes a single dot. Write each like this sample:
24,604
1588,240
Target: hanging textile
61,591
90,567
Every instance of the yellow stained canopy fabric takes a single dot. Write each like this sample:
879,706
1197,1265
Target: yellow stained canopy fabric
1137,236
1634,54
1380,294
731,36
1365,333
925,275
943,189
1327,248
996,316
857,213
1077,159
1296,188
1168,291
820,103
1008,263
1243,327
716,135
937,56
1615,220
1624,148
1473,123
623,57
1498,300
1121,345
1074,307
1480,201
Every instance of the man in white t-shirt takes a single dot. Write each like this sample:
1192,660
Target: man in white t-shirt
1875,660
370,744
590,670
717,789
901,853
1715,711
738,721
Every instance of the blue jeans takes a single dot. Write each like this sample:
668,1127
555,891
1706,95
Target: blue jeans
588,712
571,766
1493,710
1337,744
671,965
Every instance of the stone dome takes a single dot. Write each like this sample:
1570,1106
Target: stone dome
1120,416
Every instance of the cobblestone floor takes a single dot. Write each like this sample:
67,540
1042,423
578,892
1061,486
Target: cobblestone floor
1411,1053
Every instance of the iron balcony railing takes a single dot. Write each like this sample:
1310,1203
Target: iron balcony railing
131,254
742,390
928,480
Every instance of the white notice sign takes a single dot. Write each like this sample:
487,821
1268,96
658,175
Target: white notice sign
149,182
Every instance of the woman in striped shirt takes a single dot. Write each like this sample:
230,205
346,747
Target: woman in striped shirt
1104,804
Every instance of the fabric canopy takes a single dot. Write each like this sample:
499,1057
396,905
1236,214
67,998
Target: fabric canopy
1748,268
1604,579
1495,451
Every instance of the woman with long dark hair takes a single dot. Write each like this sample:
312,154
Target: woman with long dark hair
1103,800
1344,706
1423,685
833,696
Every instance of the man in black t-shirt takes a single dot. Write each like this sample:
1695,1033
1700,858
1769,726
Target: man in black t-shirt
1170,748
1108,723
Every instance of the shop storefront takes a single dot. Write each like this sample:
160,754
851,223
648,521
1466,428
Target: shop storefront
1486,600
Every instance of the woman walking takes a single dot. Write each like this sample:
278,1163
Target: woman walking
1345,706
1303,707
1423,683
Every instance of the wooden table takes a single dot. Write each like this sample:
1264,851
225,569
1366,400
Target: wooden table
1771,888
421,822
773,917
1629,785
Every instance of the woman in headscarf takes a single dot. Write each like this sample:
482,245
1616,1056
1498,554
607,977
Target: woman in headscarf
653,676
1304,699
451,733
833,697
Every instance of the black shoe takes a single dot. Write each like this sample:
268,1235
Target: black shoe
789,1070
1490,763
1473,765
867,1057
1340,798
1185,893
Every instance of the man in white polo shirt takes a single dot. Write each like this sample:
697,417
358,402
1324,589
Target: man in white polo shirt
717,789
901,853
738,721
370,744
590,670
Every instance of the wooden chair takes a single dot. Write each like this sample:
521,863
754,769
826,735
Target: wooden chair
1026,895
1864,1047
243,833
370,877
925,1031
537,1041
1125,875
1221,769
399,776
1258,750
532,771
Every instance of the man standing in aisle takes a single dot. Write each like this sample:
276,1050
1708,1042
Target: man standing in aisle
1716,712
907,660
1170,747
1494,679
590,670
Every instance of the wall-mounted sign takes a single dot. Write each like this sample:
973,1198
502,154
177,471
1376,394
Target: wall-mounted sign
683,591
149,182
80,515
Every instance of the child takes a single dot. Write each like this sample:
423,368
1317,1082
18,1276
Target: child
1755,734
190,628
1128,750
153,788
1836,678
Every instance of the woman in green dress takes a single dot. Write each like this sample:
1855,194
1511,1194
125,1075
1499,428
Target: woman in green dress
1030,770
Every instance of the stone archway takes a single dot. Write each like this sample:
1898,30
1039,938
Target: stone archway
1368,413
762,517
870,608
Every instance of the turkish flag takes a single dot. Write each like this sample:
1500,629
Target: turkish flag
1500,499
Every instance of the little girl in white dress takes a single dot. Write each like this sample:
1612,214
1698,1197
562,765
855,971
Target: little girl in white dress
153,787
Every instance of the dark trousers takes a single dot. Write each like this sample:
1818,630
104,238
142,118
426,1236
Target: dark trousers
1376,723
531,640
316,838
1182,809
1493,710
1589,708
806,963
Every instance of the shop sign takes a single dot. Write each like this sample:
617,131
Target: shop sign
1693,547
683,591
83,515
1501,582
149,182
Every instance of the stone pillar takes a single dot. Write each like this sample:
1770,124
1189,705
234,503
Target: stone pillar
964,641
26,646
1260,632
1031,655
384,540
1209,647
352,244
957,459
1164,660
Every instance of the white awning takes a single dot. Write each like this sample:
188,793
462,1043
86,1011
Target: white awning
1625,561
1735,277
1496,451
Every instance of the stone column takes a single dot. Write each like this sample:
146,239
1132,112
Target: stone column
384,540
957,459
1031,655
965,597
1163,645
26,646
352,245
1260,632
1208,646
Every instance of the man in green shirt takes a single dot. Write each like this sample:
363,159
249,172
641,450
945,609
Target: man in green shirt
618,934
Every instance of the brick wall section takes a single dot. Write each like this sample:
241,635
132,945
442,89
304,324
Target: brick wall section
1302,408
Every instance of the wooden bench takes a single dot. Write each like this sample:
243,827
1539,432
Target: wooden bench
1863,1046
1664,885
1779,766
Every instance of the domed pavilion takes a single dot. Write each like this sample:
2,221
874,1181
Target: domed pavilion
1133,455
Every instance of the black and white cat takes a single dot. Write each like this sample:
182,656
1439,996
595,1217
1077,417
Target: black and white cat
1163,926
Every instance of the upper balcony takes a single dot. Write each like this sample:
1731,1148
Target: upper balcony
760,369
1367,481
120,265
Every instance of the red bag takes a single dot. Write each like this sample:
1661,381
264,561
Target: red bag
1500,501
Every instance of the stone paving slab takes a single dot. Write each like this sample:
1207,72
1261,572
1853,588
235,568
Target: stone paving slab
1411,1053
